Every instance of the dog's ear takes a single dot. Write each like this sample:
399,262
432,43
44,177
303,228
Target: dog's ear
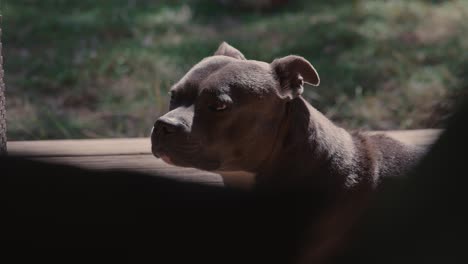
228,50
292,71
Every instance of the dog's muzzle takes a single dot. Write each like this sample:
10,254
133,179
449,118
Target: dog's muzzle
163,128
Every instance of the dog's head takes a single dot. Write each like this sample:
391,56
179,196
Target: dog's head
225,113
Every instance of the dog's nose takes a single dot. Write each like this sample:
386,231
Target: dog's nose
167,125
167,128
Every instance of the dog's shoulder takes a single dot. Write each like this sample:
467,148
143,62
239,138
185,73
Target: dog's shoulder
386,156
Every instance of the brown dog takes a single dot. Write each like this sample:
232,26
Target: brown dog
243,117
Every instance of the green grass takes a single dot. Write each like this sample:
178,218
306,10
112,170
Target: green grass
86,68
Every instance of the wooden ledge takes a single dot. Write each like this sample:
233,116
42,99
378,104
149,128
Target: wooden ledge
135,154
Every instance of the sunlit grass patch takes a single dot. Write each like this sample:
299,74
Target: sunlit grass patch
103,68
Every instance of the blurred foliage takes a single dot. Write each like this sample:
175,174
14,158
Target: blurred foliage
87,68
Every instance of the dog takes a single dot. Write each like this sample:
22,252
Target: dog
247,119
244,117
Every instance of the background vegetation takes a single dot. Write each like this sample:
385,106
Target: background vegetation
88,68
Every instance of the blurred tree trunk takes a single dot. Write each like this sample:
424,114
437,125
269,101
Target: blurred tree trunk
3,139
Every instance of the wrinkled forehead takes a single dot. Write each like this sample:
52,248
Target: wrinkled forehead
217,73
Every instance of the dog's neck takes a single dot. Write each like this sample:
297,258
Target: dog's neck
327,158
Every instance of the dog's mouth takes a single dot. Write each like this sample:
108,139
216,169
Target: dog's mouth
186,159
161,155
180,150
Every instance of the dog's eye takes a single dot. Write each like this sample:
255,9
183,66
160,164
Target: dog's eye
218,107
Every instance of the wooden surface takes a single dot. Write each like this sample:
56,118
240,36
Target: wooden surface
135,154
